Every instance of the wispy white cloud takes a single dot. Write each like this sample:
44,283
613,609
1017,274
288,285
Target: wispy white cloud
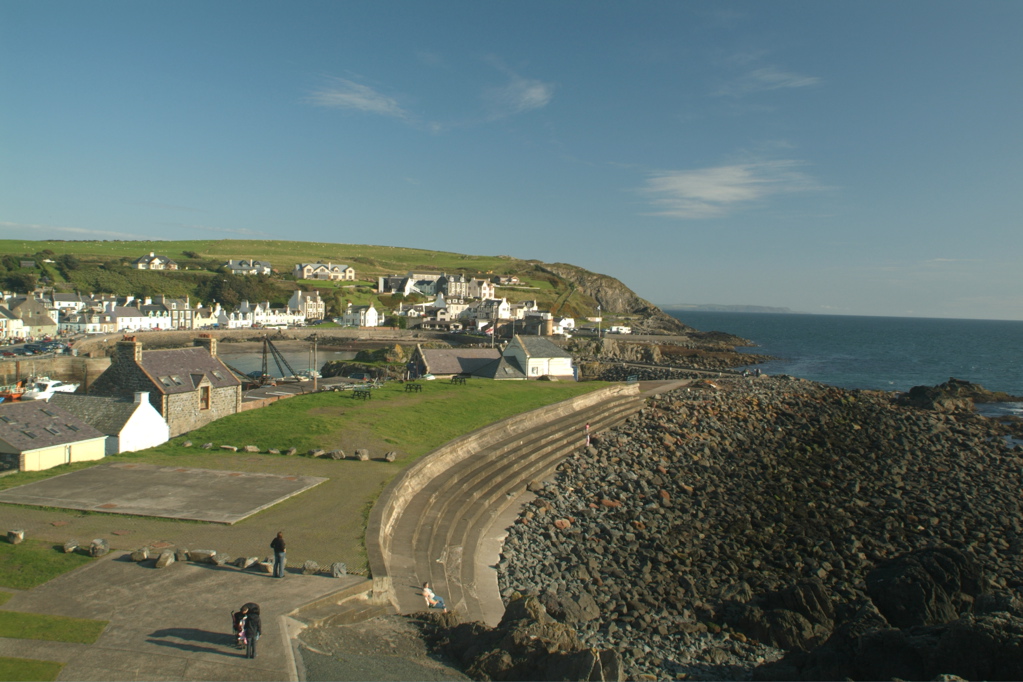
37,231
714,192
765,79
517,96
341,93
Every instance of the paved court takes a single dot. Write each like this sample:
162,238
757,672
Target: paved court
172,623
168,492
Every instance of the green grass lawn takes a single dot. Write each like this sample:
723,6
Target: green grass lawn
28,670
34,562
411,423
18,625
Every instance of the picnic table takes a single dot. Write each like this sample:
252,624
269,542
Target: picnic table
362,393
458,380
413,387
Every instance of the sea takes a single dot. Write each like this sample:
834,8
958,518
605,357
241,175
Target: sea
880,353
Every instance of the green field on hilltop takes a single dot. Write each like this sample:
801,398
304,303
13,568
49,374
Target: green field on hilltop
283,255
105,267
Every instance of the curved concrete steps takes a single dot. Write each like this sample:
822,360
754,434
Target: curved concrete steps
442,527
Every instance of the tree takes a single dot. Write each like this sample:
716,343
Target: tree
21,282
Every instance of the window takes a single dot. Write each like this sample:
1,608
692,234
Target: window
204,397
166,381
176,379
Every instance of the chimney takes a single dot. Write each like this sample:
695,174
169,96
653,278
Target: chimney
207,342
128,350
141,397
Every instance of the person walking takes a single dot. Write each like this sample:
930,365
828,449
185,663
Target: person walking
253,628
280,558
587,433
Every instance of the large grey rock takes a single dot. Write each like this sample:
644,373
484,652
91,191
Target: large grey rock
202,556
243,562
140,554
165,559
70,546
339,569
291,451
337,454
15,537
362,454
219,559
310,567
317,452
181,554
251,448
99,547
927,587
266,566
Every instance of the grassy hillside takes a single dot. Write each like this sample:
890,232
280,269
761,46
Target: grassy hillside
104,267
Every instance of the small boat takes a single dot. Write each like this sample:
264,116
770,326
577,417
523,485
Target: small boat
44,387
12,392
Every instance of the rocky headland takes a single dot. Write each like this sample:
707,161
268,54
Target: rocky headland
777,528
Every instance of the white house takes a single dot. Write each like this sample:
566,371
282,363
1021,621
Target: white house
537,357
326,271
563,325
11,326
481,288
154,262
491,310
309,304
361,316
249,267
129,425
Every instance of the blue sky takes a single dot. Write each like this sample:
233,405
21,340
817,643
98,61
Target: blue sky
831,157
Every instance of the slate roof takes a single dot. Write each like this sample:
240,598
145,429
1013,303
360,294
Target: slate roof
108,415
181,370
446,361
506,367
35,424
539,347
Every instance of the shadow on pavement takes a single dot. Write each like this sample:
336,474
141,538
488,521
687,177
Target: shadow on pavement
220,639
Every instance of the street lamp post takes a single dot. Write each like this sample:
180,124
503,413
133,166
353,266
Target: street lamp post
598,322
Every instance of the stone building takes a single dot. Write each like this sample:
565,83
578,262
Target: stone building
189,387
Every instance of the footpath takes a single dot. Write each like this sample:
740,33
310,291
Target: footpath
172,623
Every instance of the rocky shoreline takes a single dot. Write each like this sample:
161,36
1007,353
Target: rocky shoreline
687,537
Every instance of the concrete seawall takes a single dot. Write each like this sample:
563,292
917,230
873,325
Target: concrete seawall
395,498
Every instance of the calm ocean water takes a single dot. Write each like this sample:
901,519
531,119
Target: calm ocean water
885,353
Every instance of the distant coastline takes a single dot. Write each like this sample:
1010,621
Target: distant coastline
716,308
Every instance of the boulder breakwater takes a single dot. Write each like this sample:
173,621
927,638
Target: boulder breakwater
746,519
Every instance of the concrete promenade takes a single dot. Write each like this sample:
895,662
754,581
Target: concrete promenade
169,624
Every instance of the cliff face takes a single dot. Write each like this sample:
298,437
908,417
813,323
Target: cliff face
614,297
